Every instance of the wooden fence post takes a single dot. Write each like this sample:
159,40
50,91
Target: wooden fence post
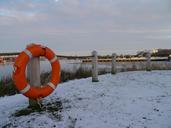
33,73
113,71
94,67
148,63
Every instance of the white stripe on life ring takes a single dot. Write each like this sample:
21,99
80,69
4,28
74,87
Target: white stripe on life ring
28,53
51,85
53,60
26,89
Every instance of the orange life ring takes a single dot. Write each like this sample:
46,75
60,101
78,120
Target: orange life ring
19,76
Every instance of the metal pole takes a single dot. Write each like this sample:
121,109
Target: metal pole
94,67
114,63
148,63
33,73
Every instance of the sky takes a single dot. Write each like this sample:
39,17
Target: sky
78,27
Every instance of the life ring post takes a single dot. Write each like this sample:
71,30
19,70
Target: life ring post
33,74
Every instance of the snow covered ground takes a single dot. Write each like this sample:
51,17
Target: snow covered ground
125,100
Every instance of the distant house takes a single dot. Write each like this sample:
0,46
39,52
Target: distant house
1,59
156,52
162,52
169,58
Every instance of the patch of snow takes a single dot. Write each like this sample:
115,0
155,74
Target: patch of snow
125,100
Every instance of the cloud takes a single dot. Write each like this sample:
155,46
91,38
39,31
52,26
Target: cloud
85,23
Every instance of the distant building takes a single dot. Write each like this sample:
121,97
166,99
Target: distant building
169,58
1,59
163,52
156,52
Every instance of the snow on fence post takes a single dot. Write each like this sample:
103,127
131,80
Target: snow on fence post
33,73
148,63
94,67
113,71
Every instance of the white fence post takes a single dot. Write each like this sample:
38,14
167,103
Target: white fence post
148,63
94,67
33,73
114,70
